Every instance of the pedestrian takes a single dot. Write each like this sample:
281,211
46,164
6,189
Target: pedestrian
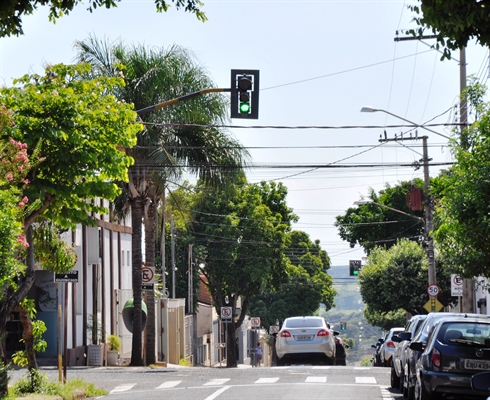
259,354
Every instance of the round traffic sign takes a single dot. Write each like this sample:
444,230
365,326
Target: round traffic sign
147,275
255,322
433,290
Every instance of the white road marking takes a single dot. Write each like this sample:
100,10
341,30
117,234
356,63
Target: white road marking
365,379
217,393
322,367
385,393
123,388
168,384
267,380
316,379
215,382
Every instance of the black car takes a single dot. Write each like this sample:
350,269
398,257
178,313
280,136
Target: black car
422,335
340,353
457,349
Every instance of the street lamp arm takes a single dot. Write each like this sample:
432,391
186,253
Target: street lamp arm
371,109
359,203
179,99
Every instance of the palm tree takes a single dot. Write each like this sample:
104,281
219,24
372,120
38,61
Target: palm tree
167,146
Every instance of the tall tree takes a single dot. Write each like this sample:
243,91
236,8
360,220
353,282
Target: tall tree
455,22
76,129
188,142
464,196
401,266
243,231
307,280
13,11
371,225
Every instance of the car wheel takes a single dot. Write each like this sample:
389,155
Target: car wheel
402,378
405,386
386,363
340,362
394,378
280,362
410,392
420,392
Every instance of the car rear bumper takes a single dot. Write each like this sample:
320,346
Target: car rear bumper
445,382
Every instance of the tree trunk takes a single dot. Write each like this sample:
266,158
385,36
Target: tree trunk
28,337
10,301
137,260
231,355
150,229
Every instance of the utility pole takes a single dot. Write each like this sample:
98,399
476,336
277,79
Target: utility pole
428,204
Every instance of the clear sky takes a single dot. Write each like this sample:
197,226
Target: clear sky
320,62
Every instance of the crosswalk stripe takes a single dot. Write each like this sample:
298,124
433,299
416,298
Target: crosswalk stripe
365,379
168,384
214,382
267,380
123,388
316,379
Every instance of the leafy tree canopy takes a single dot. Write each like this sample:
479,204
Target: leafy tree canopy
401,266
454,22
78,131
386,320
371,225
464,197
13,11
308,283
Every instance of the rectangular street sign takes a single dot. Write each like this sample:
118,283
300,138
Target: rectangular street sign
69,276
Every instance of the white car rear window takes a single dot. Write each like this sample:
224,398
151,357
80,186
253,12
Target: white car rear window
304,323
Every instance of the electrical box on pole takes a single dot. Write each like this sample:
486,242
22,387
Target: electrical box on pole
245,93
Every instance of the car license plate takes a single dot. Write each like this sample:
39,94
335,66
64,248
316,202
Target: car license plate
303,337
476,364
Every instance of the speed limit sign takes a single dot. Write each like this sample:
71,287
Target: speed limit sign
433,290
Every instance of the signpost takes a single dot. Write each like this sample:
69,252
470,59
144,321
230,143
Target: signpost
456,285
148,278
433,290
226,314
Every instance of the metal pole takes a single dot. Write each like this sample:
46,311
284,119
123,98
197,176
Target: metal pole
428,217
172,241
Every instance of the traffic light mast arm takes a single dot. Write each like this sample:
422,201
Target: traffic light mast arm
179,99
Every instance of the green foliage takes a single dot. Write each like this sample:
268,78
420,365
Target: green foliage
386,320
401,266
79,131
454,22
52,252
307,280
34,382
371,225
12,11
114,342
464,197
366,362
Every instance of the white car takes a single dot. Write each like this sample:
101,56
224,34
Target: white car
305,339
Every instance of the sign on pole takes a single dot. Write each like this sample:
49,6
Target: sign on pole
433,290
456,285
226,314
68,276
255,322
147,278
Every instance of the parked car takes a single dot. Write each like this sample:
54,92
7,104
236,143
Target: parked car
376,357
305,339
340,353
388,347
457,348
412,356
403,339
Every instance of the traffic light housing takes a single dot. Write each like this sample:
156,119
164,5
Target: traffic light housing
245,93
343,326
354,267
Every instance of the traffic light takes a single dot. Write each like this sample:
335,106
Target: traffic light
343,326
354,267
245,94
244,86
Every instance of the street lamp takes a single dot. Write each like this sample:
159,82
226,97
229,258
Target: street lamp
428,202
371,109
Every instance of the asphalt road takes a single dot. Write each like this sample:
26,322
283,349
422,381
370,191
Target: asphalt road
286,383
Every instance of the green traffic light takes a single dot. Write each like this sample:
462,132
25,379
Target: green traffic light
244,108
355,272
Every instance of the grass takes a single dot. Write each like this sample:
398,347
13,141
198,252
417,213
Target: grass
40,388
